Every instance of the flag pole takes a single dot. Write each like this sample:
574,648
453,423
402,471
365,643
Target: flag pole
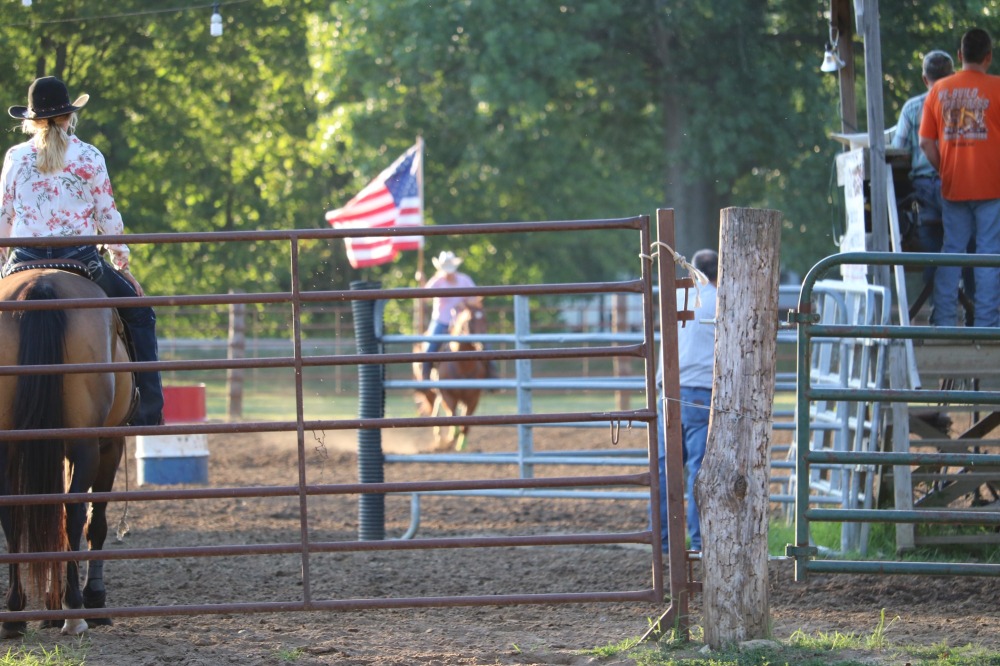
418,304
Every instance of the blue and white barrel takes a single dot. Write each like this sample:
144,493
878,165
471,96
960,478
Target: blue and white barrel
175,459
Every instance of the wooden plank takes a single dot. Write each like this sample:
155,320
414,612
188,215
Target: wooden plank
958,539
953,491
948,359
966,477
951,445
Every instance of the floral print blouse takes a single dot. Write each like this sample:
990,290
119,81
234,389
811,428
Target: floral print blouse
76,201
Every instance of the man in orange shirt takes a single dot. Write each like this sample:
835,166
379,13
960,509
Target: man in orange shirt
960,134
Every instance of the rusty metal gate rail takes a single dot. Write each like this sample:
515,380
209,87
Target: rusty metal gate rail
305,546
808,328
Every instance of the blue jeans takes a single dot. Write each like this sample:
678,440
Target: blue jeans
930,205
436,328
695,411
966,221
140,322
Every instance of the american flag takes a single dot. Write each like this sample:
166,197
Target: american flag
391,200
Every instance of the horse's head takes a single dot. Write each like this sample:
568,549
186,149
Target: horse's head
469,319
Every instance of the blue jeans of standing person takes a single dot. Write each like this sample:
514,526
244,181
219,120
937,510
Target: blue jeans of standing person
965,221
695,410
139,321
930,228
930,205
929,231
436,328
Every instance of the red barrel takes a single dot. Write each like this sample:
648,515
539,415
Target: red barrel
170,459
184,404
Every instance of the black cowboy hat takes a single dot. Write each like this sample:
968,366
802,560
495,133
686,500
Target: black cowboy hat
47,98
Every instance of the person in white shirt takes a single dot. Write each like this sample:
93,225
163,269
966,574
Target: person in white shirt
55,185
696,361
446,276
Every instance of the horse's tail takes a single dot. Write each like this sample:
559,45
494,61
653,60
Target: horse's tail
35,466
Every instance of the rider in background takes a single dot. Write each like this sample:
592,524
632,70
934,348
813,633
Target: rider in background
447,275
55,185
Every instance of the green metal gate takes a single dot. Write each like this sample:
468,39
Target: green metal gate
877,457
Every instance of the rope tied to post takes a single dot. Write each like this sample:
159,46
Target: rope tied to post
699,278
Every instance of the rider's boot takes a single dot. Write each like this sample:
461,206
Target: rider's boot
150,409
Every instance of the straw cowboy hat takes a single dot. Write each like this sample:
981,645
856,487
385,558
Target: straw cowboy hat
47,98
447,262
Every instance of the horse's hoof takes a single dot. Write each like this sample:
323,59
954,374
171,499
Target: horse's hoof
99,621
13,629
51,624
92,599
74,627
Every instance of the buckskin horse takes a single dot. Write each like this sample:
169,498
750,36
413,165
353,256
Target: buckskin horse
468,320
38,466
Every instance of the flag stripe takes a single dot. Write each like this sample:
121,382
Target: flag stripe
393,199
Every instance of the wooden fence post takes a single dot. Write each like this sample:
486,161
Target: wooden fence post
732,486
622,366
236,350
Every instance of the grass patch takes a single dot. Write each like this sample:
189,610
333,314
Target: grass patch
801,649
824,535
882,543
289,655
39,655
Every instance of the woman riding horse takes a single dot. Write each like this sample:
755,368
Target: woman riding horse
55,185
469,321
443,307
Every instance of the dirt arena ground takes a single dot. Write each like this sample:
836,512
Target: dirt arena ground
929,610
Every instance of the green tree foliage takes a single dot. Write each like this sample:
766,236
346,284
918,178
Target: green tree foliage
530,111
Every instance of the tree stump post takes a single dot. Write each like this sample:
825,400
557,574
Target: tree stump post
236,349
732,487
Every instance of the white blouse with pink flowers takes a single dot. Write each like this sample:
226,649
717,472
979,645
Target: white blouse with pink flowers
76,201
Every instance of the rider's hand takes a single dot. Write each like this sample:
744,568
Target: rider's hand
135,283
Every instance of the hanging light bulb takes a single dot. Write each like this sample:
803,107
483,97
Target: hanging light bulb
215,27
831,61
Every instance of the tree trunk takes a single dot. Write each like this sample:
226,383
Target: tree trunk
732,486
236,350
696,206
693,198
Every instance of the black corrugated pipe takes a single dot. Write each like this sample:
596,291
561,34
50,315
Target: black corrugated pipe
371,405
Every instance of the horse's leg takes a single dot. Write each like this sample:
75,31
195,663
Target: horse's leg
459,432
470,399
439,443
94,593
84,457
450,402
16,599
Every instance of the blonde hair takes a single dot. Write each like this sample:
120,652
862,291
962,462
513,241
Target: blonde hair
51,140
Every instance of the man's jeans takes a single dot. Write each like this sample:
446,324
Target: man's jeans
140,321
965,221
695,411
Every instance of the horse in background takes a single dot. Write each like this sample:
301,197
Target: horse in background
468,320
39,466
